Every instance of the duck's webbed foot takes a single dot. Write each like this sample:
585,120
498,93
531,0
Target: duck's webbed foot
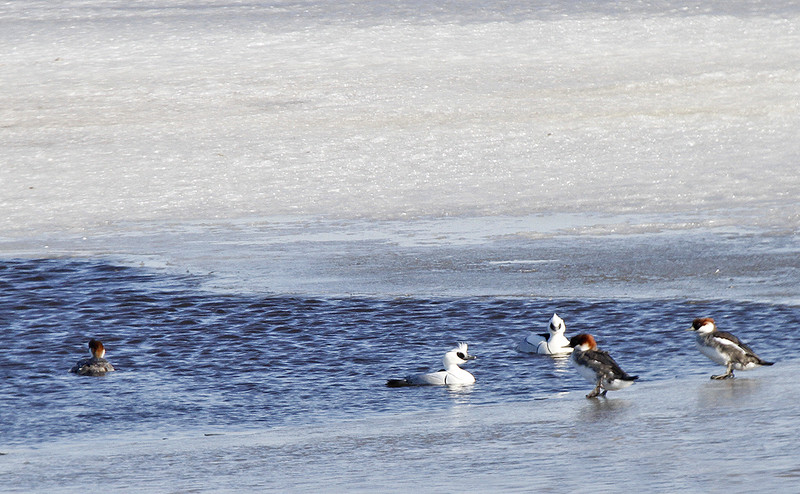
723,376
728,373
595,392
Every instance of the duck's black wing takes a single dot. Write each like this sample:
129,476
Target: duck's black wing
606,362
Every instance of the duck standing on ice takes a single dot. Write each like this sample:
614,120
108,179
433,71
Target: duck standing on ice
451,374
551,343
96,365
724,348
597,366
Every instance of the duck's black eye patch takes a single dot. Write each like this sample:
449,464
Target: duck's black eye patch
461,356
552,326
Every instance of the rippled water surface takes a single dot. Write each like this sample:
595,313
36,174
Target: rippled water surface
191,359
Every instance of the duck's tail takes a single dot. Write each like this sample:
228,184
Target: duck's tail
398,383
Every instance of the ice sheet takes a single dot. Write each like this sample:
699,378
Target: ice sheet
169,111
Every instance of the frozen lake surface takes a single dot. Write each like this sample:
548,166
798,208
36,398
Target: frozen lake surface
265,209
172,111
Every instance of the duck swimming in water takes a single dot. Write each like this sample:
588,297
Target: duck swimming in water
451,374
597,366
551,343
96,365
724,348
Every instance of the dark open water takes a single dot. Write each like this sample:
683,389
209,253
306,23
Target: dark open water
190,359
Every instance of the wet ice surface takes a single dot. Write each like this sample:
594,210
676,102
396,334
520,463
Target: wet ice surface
688,434
548,255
